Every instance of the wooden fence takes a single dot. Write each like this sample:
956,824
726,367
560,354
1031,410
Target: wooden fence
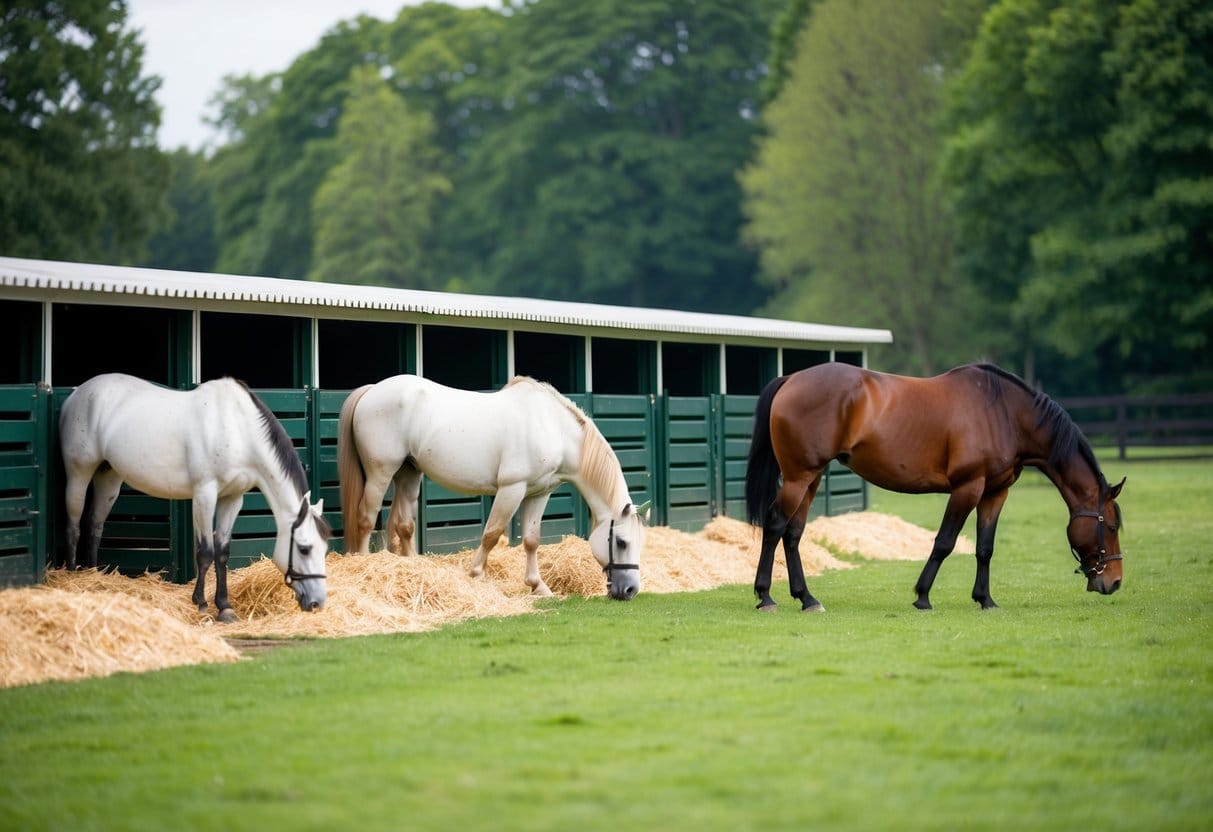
1125,422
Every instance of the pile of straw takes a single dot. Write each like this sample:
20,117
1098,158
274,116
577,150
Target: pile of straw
877,536
91,623
64,635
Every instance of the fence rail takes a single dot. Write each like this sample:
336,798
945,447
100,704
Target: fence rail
1123,422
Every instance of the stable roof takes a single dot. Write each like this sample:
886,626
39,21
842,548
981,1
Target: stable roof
92,283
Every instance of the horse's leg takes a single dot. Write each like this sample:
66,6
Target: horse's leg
791,552
787,502
987,521
532,518
203,508
772,532
508,498
76,497
960,506
226,511
402,519
107,483
372,501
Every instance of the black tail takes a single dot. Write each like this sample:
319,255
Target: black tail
762,471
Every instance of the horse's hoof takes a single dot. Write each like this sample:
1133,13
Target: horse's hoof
202,607
767,607
228,616
817,607
922,604
541,591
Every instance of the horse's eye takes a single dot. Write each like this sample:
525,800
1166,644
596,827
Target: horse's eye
621,544
305,549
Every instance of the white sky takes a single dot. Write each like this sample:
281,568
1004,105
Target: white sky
192,44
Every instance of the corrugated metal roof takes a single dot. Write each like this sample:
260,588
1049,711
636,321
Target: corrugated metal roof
91,279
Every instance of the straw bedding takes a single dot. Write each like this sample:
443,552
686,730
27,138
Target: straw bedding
90,623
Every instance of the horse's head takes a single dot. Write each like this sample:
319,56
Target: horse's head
1095,541
305,565
617,541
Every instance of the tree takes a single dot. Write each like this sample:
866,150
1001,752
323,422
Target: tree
376,209
843,197
1079,163
784,36
187,242
612,178
282,127
80,175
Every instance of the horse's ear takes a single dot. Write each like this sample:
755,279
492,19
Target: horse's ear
318,509
1115,492
643,509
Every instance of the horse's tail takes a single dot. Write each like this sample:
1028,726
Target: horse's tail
762,470
349,468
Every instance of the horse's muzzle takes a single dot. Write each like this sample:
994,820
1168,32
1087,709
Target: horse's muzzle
623,586
311,593
1105,583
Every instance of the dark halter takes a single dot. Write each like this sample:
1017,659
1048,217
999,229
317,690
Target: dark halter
611,565
1100,524
290,576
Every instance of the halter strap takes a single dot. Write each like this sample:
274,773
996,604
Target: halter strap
1104,558
290,576
611,554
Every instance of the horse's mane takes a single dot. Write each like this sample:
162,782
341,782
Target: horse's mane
599,465
560,397
1068,439
284,448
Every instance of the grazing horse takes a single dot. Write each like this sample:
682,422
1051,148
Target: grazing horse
968,433
518,443
210,445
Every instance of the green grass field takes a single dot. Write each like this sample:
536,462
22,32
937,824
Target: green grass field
1061,710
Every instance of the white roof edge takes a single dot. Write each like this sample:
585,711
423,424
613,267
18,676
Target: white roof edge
94,278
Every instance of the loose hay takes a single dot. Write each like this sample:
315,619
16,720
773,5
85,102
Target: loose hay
90,623
878,536
59,634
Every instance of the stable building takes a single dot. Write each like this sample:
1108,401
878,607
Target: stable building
673,392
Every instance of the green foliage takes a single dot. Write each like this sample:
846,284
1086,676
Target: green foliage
187,242
80,175
611,178
375,211
784,36
1079,167
843,196
1061,710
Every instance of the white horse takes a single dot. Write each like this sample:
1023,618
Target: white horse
210,445
519,443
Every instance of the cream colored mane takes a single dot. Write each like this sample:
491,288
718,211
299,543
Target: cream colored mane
599,465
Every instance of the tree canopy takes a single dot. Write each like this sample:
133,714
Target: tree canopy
843,195
1025,181
1080,166
80,175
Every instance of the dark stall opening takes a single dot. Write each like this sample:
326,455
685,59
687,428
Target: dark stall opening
557,359
470,359
144,342
20,342
623,367
854,357
263,351
353,353
690,369
794,360
748,369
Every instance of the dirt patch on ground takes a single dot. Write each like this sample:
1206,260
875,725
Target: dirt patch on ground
89,623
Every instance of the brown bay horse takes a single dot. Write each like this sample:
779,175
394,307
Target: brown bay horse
968,433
